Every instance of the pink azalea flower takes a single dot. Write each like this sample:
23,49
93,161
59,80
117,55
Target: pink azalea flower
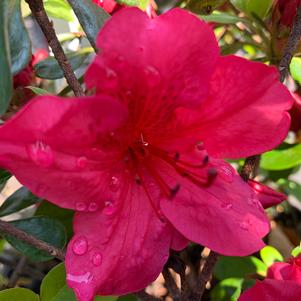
283,283
267,196
141,161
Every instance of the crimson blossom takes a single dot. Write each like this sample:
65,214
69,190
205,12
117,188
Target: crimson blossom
141,161
283,282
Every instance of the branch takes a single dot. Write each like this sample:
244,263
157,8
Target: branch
38,10
206,273
249,166
143,296
7,228
291,46
171,285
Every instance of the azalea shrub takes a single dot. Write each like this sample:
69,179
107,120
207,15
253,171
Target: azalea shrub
150,150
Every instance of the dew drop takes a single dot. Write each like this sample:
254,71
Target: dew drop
141,48
80,246
152,75
227,206
84,278
112,79
97,259
200,146
82,162
226,173
244,226
41,154
120,59
114,184
109,208
93,207
80,206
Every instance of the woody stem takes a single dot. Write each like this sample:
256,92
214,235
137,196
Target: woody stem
38,10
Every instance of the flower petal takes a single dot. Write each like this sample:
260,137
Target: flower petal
272,290
243,92
267,196
169,58
226,216
50,146
112,248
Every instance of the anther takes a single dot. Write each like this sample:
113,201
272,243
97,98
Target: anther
138,180
206,160
174,191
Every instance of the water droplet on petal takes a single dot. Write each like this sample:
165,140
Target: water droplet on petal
226,173
84,278
41,154
80,206
114,184
93,207
82,162
109,208
141,48
227,206
120,59
152,75
200,146
97,259
80,246
112,79
244,226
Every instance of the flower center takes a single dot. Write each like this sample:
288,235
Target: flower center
142,153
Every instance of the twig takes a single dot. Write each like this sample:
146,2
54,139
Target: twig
142,295
7,228
38,10
206,273
171,285
291,46
17,271
249,166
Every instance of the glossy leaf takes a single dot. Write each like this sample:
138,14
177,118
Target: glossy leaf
90,16
6,86
65,216
19,200
296,251
223,18
37,90
18,294
269,255
50,69
295,69
59,9
43,228
257,7
20,46
239,267
281,159
227,290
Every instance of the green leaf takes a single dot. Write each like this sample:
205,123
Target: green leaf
18,294
291,188
59,9
6,86
295,69
43,228
258,7
20,45
269,255
239,267
38,91
91,17
65,216
4,176
227,290
296,251
54,288
19,200
204,7
281,159
50,69
223,18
